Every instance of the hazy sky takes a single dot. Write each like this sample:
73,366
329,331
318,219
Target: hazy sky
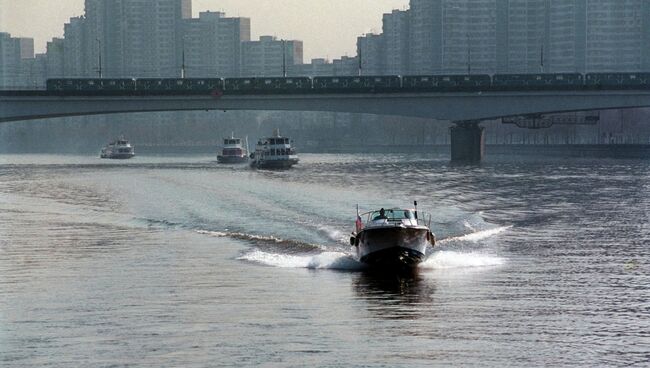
329,28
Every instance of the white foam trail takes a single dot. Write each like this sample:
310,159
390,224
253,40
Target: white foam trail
477,236
326,260
447,260
241,236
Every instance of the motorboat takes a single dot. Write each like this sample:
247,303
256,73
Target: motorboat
274,152
233,152
118,149
393,237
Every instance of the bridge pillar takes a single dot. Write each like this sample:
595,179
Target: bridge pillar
467,141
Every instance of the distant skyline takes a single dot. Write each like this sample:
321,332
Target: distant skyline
329,28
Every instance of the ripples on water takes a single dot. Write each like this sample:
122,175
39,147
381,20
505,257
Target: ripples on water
176,261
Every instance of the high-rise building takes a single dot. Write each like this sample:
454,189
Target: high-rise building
9,61
212,44
371,49
617,35
76,63
26,46
396,26
521,36
55,58
137,38
270,57
453,36
529,36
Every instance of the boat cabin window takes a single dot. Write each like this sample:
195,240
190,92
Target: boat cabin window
393,215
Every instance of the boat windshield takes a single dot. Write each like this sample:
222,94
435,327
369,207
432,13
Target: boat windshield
392,214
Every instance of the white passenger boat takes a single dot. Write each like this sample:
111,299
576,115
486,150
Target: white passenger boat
274,153
393,237
233,152
118,149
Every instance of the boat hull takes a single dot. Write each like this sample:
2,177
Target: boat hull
119,156
274,164
395,247
232,159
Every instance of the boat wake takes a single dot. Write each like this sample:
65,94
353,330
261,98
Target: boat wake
265,240
475,236
284,253
325,260
450,259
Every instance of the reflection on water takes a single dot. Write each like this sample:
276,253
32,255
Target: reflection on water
395,294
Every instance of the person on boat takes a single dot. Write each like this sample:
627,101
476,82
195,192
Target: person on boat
381,216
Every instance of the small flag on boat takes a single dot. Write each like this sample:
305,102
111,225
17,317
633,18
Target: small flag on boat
359,223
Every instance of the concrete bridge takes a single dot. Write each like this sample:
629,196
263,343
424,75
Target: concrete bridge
467,109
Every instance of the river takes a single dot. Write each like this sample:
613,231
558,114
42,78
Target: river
170,261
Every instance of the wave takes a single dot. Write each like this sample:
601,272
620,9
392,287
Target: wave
476,236
264,240
325,260
448,259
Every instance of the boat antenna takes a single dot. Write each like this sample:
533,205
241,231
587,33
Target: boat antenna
415,203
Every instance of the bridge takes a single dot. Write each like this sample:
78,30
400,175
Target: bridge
466,109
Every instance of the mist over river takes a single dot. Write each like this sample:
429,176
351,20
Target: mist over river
176,261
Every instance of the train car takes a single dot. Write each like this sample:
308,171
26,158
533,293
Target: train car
446,83
283,85
163,86
537,82
361,84
91,86
240,86
617,81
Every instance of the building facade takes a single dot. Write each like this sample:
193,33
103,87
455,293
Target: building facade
212,44
270,57
136,37
529,36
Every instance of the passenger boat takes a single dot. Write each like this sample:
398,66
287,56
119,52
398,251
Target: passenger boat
233,151
274,153
393,237
118,149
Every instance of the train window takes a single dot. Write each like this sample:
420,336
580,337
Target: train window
289,81
91,83
247,81
424,79
335,80
377,79
268,81
179,82
446,79
632,76
200,83
560,77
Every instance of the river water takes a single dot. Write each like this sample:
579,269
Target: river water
170,261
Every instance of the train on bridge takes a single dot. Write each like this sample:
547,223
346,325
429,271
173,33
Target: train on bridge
348,84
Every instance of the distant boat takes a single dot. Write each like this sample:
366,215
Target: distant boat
233,151
274,153
118,149
392,238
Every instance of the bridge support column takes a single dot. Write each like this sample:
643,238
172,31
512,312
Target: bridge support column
467,141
